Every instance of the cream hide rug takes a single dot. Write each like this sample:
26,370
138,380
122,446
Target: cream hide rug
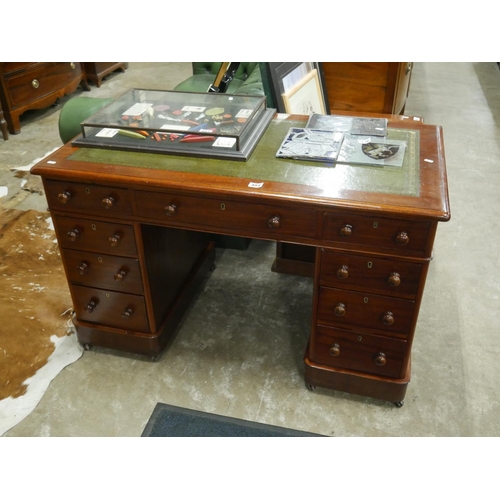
37,339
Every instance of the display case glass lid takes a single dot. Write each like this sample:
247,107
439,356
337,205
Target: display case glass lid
183,123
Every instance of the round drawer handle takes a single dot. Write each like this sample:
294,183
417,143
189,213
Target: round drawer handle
120,275
394,279
346,231
83,268
91,305
73,234
335,350
72,65
343,272
339,309
171,209
35,84
380,359
64,197
108,202
127,313
274,222
114,240
388,318
402,238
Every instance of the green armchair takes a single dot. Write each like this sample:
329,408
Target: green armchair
246,81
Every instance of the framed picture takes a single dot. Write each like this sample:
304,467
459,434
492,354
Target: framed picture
281,77
306,97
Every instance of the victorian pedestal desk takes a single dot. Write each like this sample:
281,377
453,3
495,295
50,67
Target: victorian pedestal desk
133,234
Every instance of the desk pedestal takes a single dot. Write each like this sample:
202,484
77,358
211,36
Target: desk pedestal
386,389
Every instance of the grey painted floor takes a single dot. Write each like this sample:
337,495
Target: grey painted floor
239,349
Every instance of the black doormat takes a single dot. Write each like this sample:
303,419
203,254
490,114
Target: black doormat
172,421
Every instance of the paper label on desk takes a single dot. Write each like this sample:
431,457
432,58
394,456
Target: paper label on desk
194,109
107,132
255,184
225,142
137,109
244,113
176,127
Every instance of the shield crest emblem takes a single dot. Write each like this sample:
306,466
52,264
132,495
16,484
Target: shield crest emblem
377,151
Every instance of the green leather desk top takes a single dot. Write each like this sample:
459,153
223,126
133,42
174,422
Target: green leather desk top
264,166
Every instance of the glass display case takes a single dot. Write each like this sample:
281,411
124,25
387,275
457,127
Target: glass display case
180,123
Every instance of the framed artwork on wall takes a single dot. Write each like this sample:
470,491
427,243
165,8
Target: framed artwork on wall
305,98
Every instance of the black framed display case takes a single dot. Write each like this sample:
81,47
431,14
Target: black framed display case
179,123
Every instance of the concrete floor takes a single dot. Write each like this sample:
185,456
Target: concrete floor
245,361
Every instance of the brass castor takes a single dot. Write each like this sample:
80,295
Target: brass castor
311,387
399,404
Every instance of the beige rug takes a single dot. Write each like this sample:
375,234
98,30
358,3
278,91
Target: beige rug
37,339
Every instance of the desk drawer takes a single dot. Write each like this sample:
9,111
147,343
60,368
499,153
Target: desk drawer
352,310
88,198
115,309
376,232
95,236
358,351
214,214
386,276
103,271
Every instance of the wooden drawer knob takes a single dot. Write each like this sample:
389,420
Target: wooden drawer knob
73,234
388,318
402,238
274,222
108,202
335,350
346,231
64,197
380,359
127,313
343,272
339,309
171,209
91,305
83,268
114,239
394,279
120,275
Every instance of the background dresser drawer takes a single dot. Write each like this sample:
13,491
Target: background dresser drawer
115,309
88,198
376,232
353,310
251,218
103,271
358,351
40,80
386,276
95,236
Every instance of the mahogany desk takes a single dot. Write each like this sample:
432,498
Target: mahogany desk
133,233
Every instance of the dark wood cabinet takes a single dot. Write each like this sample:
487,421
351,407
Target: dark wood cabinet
36,85
370,87
96,71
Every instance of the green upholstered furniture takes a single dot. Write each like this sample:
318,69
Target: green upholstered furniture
74,112
246,81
